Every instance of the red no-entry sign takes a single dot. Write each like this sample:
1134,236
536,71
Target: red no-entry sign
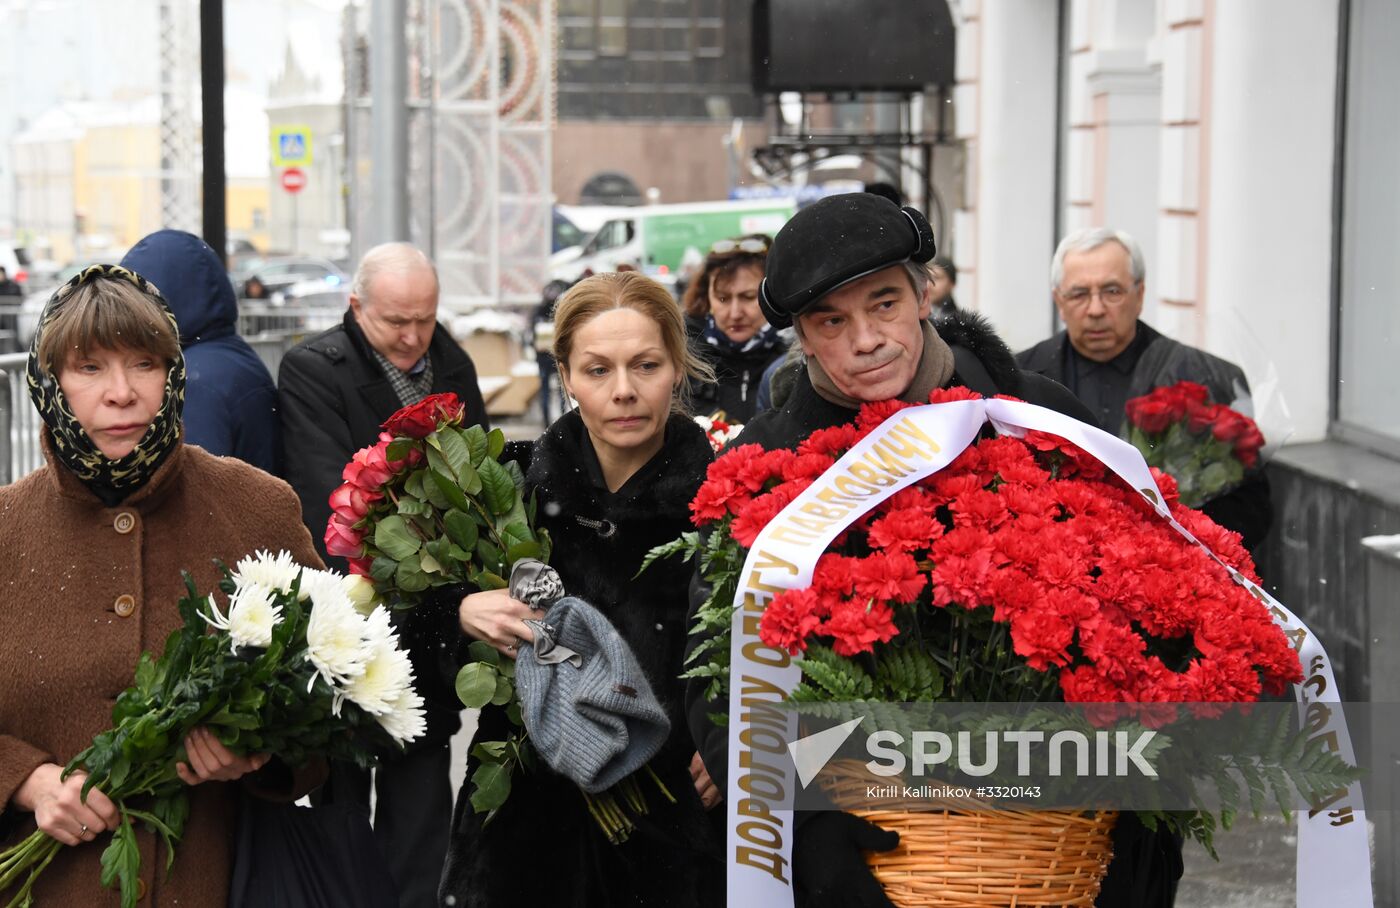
294,179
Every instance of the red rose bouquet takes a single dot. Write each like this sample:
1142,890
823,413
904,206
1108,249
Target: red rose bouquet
1206,447
1023,571
430,505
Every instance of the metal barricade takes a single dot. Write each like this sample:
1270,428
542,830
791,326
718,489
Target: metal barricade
20,454
273,330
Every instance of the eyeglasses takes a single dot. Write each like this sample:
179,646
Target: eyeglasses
1112,296
748,244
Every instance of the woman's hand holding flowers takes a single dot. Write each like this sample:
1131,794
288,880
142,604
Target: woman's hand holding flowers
58,806
211,761
493,616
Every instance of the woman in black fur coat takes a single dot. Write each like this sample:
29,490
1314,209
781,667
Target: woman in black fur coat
613,478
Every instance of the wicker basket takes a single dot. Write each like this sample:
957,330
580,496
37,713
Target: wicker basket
980,858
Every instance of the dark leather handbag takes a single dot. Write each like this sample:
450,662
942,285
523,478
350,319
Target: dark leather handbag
308,857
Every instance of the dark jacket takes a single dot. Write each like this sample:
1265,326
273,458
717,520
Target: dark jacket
542,847
1163,362
332,397
230,401
738,377
983,363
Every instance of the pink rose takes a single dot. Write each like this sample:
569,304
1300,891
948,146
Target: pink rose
343,541
352,503
369,469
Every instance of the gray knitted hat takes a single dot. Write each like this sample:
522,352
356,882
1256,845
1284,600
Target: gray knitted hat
585,701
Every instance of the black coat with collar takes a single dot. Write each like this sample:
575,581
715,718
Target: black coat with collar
542,847
331,398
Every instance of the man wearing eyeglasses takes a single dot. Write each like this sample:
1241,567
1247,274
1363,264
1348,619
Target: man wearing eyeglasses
1107,355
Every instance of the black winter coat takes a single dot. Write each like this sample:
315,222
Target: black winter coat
737,378
1246,509
543,847
332,397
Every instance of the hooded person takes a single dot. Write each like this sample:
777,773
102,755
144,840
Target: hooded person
847,272
230,400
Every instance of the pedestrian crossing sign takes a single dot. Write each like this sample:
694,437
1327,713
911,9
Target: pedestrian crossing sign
291,146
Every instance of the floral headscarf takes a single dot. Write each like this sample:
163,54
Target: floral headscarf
111,480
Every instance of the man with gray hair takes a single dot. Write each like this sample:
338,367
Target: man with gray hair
1107,355
334,390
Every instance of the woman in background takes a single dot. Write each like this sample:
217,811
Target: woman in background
728,328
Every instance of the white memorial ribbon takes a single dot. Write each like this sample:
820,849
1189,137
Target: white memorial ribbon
1333,855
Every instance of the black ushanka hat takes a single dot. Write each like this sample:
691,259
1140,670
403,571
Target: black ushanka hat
835,241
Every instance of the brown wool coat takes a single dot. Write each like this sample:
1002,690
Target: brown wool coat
84,589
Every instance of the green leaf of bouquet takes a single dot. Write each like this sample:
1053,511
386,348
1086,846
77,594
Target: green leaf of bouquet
409,506
413,485
454,449
381,570
173,810
476,684
475,437
430,564
447,484
395,539
398,449
490,786
527,549
481,651
409,577
497,488
469,479
492,751
495,444
461,529
489,580
505,691
513,714
121,862
489,557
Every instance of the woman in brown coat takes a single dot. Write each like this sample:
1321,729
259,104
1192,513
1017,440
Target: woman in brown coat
91,552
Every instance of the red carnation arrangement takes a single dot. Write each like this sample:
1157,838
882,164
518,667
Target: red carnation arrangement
1207,447
1024,571
1061,575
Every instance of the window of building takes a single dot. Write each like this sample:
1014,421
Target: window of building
1367,407
612,28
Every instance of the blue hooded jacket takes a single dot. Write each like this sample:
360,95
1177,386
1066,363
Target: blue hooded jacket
230,400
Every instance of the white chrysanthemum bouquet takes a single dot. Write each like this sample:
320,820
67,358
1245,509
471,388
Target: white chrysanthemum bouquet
299,664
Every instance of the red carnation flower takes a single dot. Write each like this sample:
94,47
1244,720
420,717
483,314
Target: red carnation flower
757,514
790,618
871,415
715,499
855,628
948,395
890,576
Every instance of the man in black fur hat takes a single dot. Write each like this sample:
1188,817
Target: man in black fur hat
847,273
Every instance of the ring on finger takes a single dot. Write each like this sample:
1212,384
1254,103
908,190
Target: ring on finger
84,828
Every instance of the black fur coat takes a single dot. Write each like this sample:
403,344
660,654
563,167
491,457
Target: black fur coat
542,847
